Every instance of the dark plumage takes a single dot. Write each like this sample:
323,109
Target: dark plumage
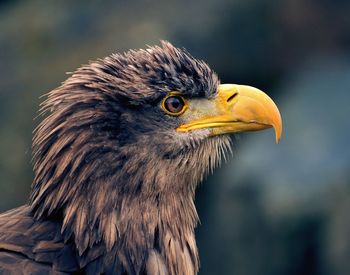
114,178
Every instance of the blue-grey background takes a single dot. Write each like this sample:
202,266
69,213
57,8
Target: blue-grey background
272,209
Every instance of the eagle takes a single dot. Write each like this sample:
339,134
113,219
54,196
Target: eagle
122,146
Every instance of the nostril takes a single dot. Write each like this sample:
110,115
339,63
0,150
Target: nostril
232,97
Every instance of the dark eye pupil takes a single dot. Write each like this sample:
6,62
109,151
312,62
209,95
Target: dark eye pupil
174,104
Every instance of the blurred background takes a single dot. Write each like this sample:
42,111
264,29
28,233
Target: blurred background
272,209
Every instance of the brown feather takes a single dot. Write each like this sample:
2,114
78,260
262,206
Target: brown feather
114,182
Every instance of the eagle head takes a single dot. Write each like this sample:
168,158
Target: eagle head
125,141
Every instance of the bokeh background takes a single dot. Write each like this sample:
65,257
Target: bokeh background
272,209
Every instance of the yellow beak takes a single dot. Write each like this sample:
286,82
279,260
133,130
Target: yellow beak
237,108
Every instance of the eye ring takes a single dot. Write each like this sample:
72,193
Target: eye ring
174,104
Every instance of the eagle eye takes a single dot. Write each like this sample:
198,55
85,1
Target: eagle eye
174,104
